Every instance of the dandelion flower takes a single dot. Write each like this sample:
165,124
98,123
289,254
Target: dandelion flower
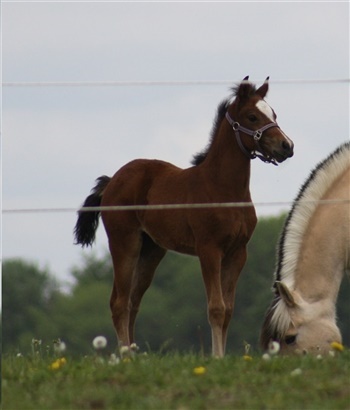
296,372
337,346
124,350
274,348
113,360
199,370
100,342
59,346
134,347
36,342
62,361
57,364
247,358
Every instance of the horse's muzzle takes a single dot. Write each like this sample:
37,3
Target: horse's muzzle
285,151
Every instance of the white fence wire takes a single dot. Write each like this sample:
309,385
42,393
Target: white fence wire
165,83
158,207
123,208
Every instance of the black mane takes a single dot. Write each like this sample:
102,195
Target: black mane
220,115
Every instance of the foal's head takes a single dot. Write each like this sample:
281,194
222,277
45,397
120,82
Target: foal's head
299,326
255,123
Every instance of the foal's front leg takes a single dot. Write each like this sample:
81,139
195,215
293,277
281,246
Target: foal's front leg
230,270
211,263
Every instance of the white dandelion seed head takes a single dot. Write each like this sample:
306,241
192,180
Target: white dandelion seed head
124,350
296,372
59,347
113,360
100,342
266,356
134,347
273,348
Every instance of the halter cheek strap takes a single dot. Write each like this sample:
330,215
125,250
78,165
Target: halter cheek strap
256,135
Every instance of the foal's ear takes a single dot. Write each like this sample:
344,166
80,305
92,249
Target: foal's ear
285,294
262,91
244,89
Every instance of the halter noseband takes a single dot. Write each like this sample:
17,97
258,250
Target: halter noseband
256,135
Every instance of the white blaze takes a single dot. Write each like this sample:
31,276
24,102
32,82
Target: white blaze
264,107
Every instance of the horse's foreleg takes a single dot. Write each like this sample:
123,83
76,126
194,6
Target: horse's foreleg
150,257
125,255
211,263
230,271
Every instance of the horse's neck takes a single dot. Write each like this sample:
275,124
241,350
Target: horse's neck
227,165
324,252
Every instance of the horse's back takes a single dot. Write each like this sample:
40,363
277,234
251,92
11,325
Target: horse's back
155,182
131,183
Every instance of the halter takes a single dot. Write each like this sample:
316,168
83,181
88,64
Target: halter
256,135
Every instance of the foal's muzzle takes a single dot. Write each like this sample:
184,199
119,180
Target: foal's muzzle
286,150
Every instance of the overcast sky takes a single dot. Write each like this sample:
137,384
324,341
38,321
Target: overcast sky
56,140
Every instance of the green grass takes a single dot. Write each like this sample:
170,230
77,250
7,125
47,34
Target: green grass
168,382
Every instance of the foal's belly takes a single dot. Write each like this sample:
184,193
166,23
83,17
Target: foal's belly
169,231
183,232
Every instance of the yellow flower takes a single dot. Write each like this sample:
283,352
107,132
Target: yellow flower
62,361
337,346
57,364
199,370
247,358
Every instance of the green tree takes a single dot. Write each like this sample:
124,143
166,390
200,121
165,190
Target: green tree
173,313
84,313
28,300
254,286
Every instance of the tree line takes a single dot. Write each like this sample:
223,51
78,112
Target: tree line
173,312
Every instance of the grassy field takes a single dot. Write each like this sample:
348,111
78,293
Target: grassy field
174,381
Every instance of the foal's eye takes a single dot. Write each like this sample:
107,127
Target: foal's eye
252,118
290,339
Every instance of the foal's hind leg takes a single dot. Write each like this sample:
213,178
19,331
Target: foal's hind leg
125,250
150,257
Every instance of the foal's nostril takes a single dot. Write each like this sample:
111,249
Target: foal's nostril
286,146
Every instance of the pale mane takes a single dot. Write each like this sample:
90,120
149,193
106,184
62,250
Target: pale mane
314,189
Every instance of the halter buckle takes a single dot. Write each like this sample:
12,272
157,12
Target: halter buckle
257,135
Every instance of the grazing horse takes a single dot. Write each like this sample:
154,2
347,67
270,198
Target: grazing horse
245,128
313,254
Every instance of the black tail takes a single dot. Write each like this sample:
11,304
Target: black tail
87,222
